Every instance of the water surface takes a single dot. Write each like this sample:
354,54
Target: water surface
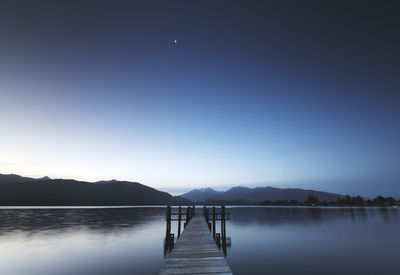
300,240
274,240
81,241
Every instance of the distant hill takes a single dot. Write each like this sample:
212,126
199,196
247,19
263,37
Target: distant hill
17,190
203,194
11,178
258,194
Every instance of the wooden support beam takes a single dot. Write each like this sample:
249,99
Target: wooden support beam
213,221
179,221
168,218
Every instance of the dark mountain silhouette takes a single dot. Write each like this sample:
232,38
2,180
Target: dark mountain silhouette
258,194
17,190
11,178
203,194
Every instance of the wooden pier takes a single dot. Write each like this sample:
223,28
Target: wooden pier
196,251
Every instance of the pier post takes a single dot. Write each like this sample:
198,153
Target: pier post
218,239
168,231
213,221
171,241
179,221
223,226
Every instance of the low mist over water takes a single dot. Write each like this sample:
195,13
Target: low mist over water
275,240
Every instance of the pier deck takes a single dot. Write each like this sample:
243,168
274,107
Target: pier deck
196,252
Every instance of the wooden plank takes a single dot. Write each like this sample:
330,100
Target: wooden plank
198,269
196,252
195,264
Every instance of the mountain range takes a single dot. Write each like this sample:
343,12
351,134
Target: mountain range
18,190
258,194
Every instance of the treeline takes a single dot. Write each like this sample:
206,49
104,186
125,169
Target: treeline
346,201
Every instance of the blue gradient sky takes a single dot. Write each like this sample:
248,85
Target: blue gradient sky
280,93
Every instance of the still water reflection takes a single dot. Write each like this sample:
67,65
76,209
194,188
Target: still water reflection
81,241
296,240
274,240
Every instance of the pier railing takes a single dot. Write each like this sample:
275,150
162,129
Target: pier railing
176,216
211,216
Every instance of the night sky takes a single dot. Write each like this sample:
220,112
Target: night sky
254,93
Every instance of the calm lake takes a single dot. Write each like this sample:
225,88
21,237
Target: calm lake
273,240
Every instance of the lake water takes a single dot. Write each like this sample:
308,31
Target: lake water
273,240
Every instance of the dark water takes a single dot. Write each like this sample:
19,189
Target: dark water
269,240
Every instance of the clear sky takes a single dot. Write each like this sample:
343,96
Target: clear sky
281,93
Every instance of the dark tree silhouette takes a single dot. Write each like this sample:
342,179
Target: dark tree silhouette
379,201
357,201
312,200
348,200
